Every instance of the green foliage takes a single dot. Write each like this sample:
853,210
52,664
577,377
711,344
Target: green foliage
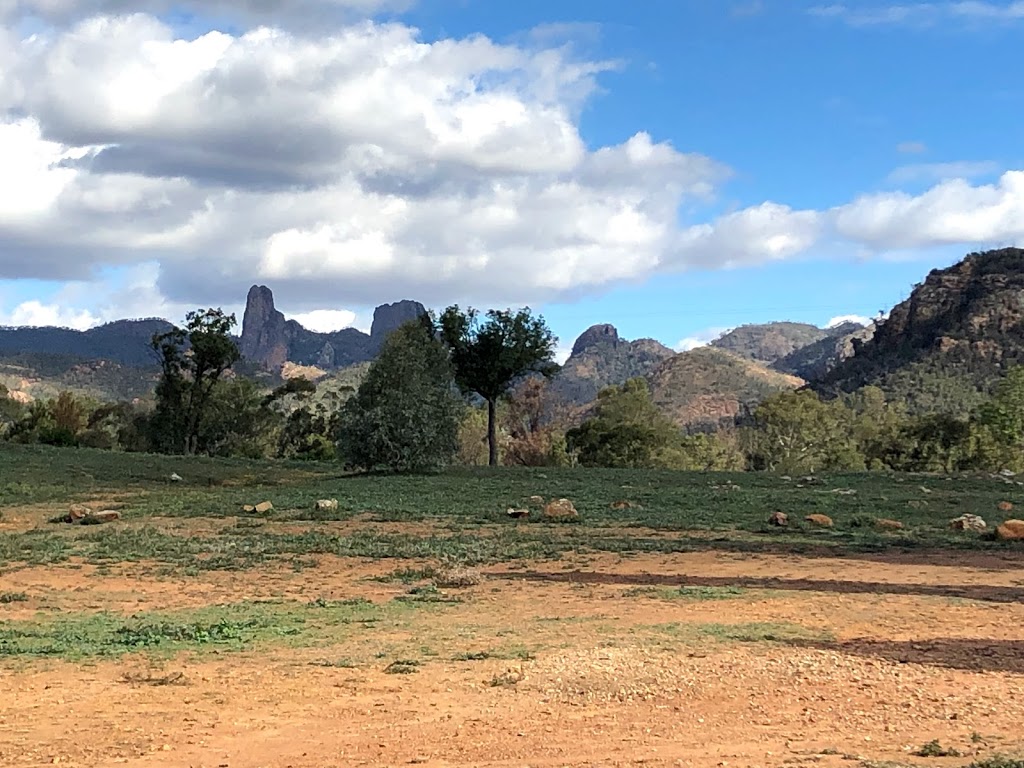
490,356
797,432
193,360
406,414
627,430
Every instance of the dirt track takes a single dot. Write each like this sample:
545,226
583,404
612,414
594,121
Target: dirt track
891,655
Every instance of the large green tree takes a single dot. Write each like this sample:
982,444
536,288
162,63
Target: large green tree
490,355
193,360
627,430
406,413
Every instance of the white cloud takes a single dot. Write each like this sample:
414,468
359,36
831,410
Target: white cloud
562,354
307,14
932,172
841,319
36,314
325,320
700,339
948,213
365,165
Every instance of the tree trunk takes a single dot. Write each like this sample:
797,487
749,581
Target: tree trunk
492,436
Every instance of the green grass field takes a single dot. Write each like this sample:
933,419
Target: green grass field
671,512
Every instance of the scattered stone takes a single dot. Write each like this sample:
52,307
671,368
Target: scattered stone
517,513
844,491
250,508
885,524
823,521
175,477
968,523
324,505
263,507
624,504
104,516
537,500
1005,506
560,509
810,480
787,478
77,512
1007,473
781,519
1011,530
924,490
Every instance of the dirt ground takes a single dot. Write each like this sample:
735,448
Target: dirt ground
894,654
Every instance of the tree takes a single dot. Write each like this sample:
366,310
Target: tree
628,430
192,360
531,439
406,413
490,356
797,432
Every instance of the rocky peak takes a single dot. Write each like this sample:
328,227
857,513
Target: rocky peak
264,336
390,317
595,335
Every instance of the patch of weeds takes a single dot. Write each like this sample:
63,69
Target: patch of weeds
323,602
149,678
405,575
402,667
12,597
454,575
998,761
934,749
427,594
686,593
337,663
472,656
148,635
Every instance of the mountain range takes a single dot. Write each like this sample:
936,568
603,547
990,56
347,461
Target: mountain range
941,349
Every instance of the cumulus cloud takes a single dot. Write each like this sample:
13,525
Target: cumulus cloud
37,314
300,13
951,212
326,320
364,164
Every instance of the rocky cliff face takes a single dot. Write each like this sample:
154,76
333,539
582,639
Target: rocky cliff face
270,340
949,341
768,342
601,358
390,317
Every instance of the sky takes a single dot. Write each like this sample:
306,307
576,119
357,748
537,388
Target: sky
673,167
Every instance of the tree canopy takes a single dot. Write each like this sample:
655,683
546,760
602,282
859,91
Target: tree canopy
490,355
406,413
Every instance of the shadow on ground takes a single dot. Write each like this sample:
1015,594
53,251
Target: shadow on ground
977,655
981,592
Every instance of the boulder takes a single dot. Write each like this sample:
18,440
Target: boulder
105,516
77,512
560,509
823,521
968,523
263,507
1005,506
780,519
517,513
885,524
623,504
1011,530
325,505
539,500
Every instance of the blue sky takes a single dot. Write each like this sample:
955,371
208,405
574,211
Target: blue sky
891,127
